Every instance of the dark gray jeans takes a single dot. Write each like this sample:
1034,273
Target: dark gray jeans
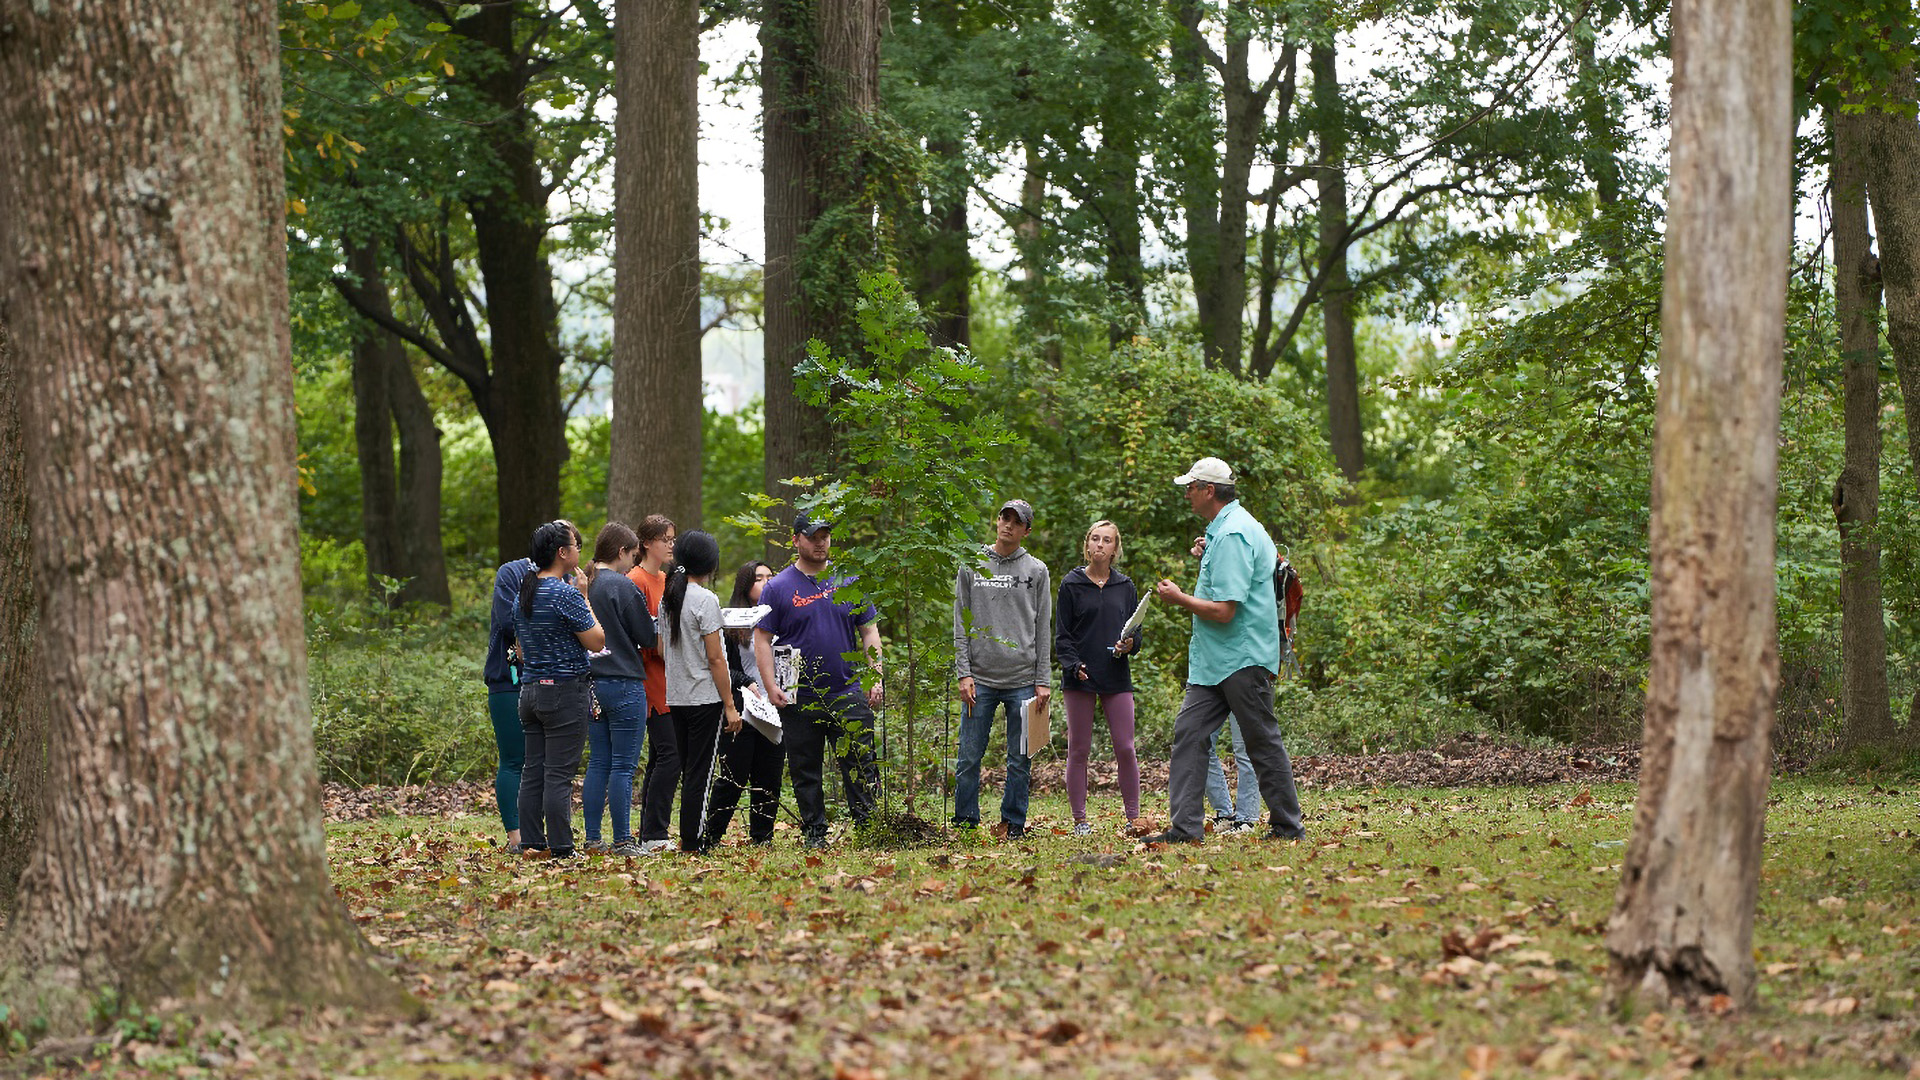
1247,695
553,716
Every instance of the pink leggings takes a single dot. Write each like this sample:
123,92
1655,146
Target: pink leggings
1119,710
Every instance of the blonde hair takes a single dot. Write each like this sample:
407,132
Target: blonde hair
1117,547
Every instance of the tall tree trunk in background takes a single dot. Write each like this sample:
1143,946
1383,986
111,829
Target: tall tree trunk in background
820,82
1198,173
946,271
23,702
1856,494
399,508
148,294
1336,304
522,407
1893,189
1602,158
1030,240
658,405
1682,922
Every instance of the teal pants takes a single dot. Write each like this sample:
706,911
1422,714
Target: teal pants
504,707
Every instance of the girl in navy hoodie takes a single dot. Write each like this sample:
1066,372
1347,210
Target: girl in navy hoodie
1095,603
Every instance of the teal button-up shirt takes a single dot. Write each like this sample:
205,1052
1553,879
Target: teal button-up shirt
1237,566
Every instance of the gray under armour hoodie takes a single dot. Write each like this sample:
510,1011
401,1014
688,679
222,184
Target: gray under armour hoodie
1008,641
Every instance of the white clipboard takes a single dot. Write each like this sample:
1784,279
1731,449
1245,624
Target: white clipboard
762,715
1134,621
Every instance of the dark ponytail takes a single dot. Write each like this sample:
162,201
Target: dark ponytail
547,541
695,554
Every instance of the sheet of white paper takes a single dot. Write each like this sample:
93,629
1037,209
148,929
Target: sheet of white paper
742,618
762,715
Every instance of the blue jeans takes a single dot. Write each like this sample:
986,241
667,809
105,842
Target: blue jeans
975,727
1246,801
613,744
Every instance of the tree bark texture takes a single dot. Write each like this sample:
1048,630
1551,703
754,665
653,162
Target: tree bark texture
1336,302
522,411
1682,923
1893,190
1864,700
23,720
146,285
658,404
399,506
820,71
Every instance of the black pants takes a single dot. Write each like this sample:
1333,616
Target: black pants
1248,695
749,762
663,773
810,726
697,729
553,718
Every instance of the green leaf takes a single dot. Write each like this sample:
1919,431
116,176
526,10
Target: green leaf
438,28
347,10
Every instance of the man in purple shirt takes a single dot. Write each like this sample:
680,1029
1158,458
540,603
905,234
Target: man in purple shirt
827,701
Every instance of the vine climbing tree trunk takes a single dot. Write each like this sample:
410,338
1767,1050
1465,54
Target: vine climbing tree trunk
1856,494
654,464
1682,923
820,83
146,283
23,756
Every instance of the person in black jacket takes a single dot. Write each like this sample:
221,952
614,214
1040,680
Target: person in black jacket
749,761
1095,603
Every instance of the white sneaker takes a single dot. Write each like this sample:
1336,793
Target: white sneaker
655,847
1082,828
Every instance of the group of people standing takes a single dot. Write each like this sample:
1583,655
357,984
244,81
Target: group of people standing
1005,615
634,645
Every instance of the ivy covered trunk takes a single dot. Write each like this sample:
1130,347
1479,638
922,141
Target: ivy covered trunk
655,442
1682,924
820,81
23,756
1864,698
180,855
1893,189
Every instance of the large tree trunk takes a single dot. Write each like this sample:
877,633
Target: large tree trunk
1856,495
1036,259
522,408
820,72
23,714
399,507
658,408
1199,174
1336,303
151,315
1893,188
946,273
1682,923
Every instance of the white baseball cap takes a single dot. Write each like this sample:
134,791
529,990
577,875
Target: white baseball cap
1208,470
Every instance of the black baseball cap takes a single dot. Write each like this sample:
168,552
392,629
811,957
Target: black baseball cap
807,525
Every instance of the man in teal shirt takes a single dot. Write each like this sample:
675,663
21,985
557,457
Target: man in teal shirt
1232,659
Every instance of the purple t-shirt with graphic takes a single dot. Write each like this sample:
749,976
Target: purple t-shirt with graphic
821,631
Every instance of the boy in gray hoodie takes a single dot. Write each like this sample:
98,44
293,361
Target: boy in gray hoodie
1002,644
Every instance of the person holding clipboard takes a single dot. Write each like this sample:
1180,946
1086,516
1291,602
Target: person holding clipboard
1097,632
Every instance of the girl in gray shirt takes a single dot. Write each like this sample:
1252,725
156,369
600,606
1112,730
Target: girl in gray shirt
699,693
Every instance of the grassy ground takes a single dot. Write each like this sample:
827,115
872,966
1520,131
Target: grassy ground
1440,933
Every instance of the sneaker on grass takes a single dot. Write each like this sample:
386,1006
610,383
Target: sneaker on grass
655,847
628,847
1082,828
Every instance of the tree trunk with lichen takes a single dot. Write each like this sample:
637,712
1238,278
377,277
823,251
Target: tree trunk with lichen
146,286
820,83
1682,925
23,738
654,457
